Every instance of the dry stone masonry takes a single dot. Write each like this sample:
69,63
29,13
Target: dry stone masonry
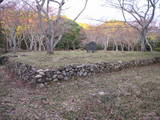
32,75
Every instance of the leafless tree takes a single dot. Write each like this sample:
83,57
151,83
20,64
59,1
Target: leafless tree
51,29
10,17
50,26
142,13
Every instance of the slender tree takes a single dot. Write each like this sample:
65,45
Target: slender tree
10,18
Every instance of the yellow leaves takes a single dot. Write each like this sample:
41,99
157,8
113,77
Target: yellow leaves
153,36
84,26
114,27
65,17
53,17
114,23
20,29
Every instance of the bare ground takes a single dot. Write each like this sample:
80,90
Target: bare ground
132,94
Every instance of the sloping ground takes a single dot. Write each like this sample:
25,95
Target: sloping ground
62,58
127,95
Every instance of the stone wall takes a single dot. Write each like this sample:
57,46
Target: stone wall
32,75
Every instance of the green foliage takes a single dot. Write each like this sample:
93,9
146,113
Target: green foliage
100,47
2,37
157,49
70,39
158,45
154,40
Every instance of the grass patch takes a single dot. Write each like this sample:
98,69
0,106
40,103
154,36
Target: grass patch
127,95
62,58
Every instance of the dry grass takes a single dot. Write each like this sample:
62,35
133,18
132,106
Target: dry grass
127,95
3,93
61,58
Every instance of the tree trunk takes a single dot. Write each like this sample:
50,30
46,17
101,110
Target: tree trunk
106,45
50,37
122,46
113,46
35,46
43,46
27,47
143,40
31,43
132,47
39,46
49,45
14,40
116,46
6,46
151,49
129,48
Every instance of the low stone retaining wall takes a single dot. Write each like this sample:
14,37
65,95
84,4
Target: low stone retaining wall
32,75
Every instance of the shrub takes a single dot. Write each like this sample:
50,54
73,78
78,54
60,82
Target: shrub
70,39
2,37
154,41
157,49
91,47
100,47
68,42
157,46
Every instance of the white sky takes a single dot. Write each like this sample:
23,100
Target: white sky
94,10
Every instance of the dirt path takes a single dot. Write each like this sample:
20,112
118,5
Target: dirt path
130,94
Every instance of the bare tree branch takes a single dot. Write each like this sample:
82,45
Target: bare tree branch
81,11
1,1
142,15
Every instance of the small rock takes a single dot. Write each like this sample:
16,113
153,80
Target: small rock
55,80
49,79
60,77
41,73
120,61
85,74
101,93
40,70
64,73
66,78
93,94
46,70
41,85
91,69
80,73
38,76
58,72
54,76
39,80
